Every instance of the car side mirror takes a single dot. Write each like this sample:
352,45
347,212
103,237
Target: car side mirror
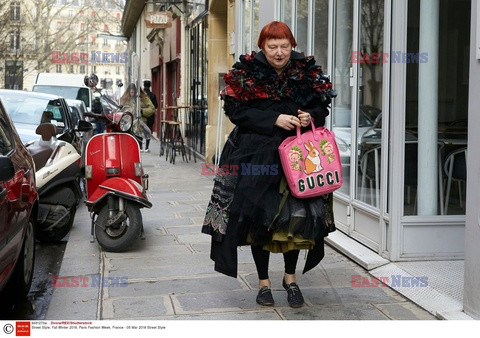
7,171
84,126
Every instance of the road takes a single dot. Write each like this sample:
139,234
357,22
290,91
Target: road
48,259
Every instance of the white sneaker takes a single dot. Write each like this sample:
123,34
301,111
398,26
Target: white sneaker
146,151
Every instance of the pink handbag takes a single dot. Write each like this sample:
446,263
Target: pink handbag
311,162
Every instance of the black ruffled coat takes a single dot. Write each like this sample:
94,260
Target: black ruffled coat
243,205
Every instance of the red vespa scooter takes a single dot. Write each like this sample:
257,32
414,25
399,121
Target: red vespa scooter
115,182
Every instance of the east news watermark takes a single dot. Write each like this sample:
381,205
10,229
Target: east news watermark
393,281
88,281
393,57
240,169
92,57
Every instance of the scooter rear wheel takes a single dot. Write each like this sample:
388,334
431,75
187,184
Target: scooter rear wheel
57,234
119,240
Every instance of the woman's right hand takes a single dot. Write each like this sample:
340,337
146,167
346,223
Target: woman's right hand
287,122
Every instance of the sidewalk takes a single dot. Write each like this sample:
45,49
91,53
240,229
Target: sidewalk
170,275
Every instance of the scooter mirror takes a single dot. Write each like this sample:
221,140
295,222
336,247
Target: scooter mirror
90,80
84,126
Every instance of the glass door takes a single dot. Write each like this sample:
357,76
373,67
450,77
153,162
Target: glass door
370,58
358,62
343,82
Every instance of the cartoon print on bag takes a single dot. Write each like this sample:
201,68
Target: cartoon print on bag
313,163
327,150
295,156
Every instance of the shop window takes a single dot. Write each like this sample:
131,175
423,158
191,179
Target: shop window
436,116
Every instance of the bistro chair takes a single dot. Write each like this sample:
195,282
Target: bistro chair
370,169
455,168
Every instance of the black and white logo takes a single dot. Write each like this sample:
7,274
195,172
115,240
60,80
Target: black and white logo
8,328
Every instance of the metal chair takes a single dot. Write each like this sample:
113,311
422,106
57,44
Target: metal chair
370,169
455,168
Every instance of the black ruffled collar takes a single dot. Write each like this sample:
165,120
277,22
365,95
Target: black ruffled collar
301,80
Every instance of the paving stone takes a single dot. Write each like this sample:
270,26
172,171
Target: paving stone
404,311
225,301
193,238
136,308
73,303
161,208
80,266
334,312
161,222
153,240
336,277
164,272
244,315
351,295
197,213
174,259
177,286
151,251
202,247
195,201
198,220
77,248
181,230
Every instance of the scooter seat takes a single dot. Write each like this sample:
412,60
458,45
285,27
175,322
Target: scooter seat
46,130
40,154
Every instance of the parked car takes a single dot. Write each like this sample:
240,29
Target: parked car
69,86
18,211
27,110
342,127
77,110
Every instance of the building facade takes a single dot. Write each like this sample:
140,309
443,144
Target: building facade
404,72
63,36
401,117
395,126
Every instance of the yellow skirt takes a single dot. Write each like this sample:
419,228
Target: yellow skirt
283,242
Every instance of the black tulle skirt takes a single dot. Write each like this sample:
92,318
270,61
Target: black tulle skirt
247,197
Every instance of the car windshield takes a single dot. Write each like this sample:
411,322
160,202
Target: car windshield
31,111
74,93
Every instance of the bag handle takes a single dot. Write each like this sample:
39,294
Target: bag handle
315,135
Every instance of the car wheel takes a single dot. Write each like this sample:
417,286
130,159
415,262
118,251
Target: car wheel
23,275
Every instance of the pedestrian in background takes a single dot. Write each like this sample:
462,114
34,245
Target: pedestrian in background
129,101
151,119
267,95
97,108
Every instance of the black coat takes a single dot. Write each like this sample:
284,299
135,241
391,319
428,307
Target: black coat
255,124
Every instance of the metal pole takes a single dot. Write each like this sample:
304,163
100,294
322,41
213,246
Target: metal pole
428,108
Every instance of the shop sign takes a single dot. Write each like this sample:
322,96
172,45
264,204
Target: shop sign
158,19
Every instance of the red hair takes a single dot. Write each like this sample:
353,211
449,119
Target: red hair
276,30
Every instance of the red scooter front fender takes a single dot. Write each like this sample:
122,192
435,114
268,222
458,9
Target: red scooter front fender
121,187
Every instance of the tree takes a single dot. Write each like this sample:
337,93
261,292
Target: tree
46,26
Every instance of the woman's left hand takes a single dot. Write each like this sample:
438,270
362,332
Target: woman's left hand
304,118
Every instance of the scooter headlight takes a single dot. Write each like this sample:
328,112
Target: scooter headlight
126,122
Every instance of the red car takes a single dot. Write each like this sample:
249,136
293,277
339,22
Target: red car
18,211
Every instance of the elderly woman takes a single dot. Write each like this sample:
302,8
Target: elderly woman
267,95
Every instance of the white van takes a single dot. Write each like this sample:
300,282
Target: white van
70,86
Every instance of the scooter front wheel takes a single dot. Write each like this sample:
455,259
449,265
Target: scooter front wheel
120,237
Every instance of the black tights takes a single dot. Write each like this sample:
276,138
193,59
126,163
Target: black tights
261,258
